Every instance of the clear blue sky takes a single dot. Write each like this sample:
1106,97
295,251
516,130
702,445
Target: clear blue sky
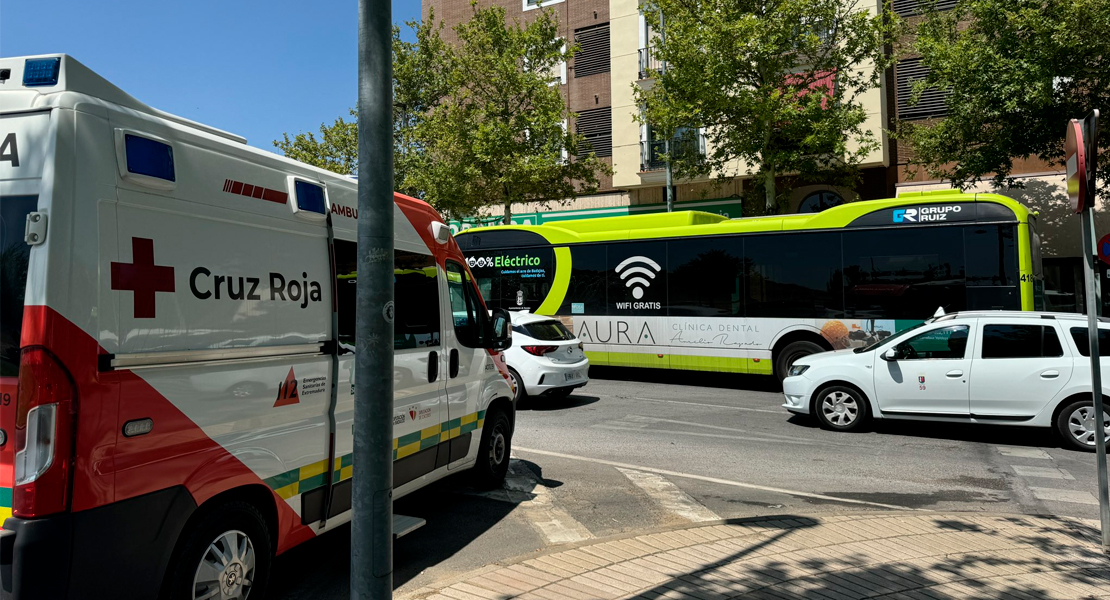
255,68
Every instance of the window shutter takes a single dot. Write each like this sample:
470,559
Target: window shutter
932,102
593,50
909,8
596,126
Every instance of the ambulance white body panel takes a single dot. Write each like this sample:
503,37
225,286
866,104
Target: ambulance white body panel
168,364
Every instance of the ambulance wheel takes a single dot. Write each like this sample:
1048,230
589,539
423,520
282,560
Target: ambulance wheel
227,556
493,452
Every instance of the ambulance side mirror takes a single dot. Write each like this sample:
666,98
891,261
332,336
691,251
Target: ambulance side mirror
500,335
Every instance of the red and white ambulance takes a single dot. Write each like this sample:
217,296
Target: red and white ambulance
177,405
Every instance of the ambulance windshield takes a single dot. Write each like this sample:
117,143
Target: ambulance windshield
14,254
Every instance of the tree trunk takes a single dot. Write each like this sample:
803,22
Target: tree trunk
769,187
508,220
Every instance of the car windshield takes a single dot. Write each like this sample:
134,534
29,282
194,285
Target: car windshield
898,336
547,331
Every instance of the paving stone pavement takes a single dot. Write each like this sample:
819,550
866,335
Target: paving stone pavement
919,556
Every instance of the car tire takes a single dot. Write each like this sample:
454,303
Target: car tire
493,451
519,393
792,352
236,529
841,408
1076,426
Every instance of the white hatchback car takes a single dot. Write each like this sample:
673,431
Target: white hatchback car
546,359
1011,368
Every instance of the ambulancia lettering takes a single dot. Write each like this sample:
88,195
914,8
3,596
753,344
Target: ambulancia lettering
204,286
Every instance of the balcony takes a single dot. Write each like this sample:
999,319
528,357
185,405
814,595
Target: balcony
648,63
688,147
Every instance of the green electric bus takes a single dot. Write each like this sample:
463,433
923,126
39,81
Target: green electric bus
694,290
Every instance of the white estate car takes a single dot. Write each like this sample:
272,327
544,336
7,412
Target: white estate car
1013,368
546,359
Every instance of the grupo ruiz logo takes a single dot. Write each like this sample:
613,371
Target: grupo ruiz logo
925,214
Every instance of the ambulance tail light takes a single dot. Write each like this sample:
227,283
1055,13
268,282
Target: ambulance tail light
44,435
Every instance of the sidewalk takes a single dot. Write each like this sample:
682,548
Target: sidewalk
916,556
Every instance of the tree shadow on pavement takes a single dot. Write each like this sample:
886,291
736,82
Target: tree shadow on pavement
1033,565
456,515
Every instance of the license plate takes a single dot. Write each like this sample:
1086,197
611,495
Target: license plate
571,376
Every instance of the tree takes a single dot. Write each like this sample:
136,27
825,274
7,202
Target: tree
499,136
1014,72
775,84
335,150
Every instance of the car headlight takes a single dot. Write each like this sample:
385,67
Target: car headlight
796,370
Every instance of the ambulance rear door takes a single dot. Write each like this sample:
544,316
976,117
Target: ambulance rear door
25,142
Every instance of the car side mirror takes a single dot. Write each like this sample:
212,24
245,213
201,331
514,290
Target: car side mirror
500,335
889,355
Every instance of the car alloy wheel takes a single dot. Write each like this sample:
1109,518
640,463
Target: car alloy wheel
226,571
840,408
1082,426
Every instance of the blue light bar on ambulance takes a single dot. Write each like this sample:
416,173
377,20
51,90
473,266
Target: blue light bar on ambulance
309,197
41,71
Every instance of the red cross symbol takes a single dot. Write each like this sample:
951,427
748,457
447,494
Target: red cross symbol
142,277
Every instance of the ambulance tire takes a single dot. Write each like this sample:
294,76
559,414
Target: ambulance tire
232,521
493,451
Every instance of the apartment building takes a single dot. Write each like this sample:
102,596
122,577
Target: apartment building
615,55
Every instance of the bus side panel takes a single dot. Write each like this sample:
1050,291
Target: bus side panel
1026,273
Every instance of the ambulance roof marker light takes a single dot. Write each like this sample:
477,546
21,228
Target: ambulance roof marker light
41,71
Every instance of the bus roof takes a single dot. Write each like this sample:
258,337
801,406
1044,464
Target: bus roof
693,223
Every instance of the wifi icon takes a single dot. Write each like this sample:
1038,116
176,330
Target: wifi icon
631,269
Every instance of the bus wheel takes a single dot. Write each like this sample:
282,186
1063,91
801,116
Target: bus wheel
227,556
840,408
493,452
792,352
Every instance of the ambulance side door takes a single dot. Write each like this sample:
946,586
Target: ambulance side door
466,360
418,375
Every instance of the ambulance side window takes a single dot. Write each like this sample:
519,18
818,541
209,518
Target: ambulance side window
467,312
416,321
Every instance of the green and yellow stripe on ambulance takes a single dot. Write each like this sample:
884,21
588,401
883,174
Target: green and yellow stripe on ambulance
311,476
5,503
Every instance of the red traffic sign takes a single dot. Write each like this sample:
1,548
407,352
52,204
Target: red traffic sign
1104,248
1075,156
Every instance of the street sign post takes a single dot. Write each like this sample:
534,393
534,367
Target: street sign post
372,485
1080,151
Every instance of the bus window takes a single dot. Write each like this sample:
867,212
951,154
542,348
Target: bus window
514,279
992,271
706,277
794,276
638,279
904,273
586,294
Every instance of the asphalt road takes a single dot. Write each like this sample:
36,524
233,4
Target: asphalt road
636,451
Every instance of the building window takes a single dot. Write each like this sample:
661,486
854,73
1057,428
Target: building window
593,50
819,201
534,4
909,8
596,126
932,102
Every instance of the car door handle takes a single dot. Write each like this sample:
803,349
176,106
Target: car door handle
1050,374
955,373
453,366
433,366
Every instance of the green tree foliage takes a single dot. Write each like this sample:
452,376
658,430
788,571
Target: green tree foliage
335,150
775,83
475,123
499,134
1015,72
